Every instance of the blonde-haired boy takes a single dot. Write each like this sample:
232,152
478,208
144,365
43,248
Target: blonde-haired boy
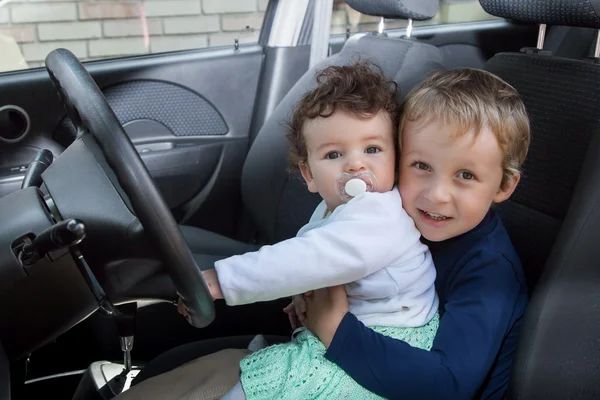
464,135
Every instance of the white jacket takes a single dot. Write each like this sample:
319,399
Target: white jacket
369,244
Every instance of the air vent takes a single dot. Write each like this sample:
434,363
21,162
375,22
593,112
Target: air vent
14,124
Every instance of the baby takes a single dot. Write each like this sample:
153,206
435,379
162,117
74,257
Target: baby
343,137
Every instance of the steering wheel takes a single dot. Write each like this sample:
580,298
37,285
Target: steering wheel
89,111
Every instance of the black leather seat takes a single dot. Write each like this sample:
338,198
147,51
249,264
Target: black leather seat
278,203
553,217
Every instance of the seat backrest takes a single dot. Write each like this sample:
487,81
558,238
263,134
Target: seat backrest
562,99
279,202
553,217
570,41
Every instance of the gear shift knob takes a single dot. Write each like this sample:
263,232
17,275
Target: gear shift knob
125,320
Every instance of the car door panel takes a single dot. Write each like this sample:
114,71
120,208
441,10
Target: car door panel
187,113
181,172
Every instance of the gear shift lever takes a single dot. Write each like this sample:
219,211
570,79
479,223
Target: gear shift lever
125,319
108,379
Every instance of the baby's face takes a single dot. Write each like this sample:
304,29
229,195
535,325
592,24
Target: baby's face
448,183
344,142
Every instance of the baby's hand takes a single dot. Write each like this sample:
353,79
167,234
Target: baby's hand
181,308
212,281
290,310
296,310
299,302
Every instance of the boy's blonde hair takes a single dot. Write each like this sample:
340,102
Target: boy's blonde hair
470,99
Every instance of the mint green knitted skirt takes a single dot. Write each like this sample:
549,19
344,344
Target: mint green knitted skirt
298,370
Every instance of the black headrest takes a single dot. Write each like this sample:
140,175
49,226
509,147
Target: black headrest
584,13
419,10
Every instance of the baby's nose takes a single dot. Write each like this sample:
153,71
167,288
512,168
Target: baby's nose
355,164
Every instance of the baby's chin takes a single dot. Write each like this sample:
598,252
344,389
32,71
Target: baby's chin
332,204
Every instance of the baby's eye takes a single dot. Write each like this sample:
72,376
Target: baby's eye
421,165
373,150
332,155
466,175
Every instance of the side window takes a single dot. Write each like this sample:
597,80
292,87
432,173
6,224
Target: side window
450,12
100,29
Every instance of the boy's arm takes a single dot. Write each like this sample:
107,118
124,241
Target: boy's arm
352,245
478,312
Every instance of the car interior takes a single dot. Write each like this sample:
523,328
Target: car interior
122,179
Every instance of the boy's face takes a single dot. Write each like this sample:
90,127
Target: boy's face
344,142
449,183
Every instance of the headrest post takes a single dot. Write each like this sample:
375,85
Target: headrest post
597,50
381,25
409,28
541,36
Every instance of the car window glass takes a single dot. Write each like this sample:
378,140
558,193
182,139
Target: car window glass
94,29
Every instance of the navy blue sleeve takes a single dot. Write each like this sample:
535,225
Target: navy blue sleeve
478,312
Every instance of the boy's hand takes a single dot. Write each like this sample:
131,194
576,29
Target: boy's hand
325,309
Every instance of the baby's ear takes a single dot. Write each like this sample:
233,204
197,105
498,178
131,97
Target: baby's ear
508,188
308,177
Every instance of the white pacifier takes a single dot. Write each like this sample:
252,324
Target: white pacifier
349,186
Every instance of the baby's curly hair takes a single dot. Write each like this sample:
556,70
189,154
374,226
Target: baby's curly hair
359,88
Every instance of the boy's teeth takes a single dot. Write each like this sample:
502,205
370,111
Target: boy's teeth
439,217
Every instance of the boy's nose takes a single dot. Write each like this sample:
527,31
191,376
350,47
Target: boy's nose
438,193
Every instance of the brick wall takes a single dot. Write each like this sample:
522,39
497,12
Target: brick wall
94,29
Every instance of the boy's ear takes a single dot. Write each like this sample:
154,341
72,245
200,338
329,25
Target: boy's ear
505,192
308,177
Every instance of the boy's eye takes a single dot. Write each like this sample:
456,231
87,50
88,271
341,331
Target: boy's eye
373,150
466,175
421,165
332,155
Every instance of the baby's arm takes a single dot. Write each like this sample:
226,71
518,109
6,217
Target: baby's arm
361,238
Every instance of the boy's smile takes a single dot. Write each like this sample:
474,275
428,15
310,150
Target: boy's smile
447,181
